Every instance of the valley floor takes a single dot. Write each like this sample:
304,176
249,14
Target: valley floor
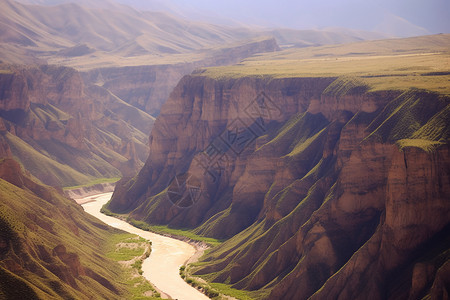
168,255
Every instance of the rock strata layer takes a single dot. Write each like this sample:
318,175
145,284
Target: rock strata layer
323,188
66,132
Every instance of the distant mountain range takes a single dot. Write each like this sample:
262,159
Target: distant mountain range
400,18
71,30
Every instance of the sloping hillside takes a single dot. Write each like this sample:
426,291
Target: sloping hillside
50,248
68,25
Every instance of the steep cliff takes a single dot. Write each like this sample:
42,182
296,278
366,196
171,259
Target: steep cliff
50,248
66,133
322,186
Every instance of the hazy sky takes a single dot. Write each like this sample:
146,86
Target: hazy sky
415,16
432,15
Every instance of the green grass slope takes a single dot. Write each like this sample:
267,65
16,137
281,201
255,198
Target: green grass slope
417,118
60,165
42,166
50,248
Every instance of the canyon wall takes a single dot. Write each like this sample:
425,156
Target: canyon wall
65,132
321,187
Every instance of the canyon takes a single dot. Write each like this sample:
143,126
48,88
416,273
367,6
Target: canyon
55,112
138,55
71,124
147,87
65,132
322,185
317,161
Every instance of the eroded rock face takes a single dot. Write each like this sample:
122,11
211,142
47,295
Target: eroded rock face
5,150
329,195
377,231
198,111
49,109
14,92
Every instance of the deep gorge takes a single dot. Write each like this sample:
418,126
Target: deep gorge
330,179
305,163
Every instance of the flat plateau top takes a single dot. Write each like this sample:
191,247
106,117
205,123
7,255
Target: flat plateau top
397,64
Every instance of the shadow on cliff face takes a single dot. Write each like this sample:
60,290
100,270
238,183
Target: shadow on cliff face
338,192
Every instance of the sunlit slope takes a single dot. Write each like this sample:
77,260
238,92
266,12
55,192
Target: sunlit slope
49,248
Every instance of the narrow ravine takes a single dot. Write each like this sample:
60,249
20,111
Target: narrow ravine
162,267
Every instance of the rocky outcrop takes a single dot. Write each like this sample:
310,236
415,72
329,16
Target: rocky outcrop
414,209
14,92
322,188
5,150
47,113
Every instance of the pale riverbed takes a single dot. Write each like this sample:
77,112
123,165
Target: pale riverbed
162,267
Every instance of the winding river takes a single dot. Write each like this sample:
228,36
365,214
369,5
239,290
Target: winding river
162,267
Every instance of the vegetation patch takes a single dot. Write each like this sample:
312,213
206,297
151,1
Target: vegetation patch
94,182
425,145
216,291
238,294
175,233
346,85
417,118
130,251
199,284
105,210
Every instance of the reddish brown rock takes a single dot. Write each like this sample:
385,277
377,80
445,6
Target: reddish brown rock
324,203
50,109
